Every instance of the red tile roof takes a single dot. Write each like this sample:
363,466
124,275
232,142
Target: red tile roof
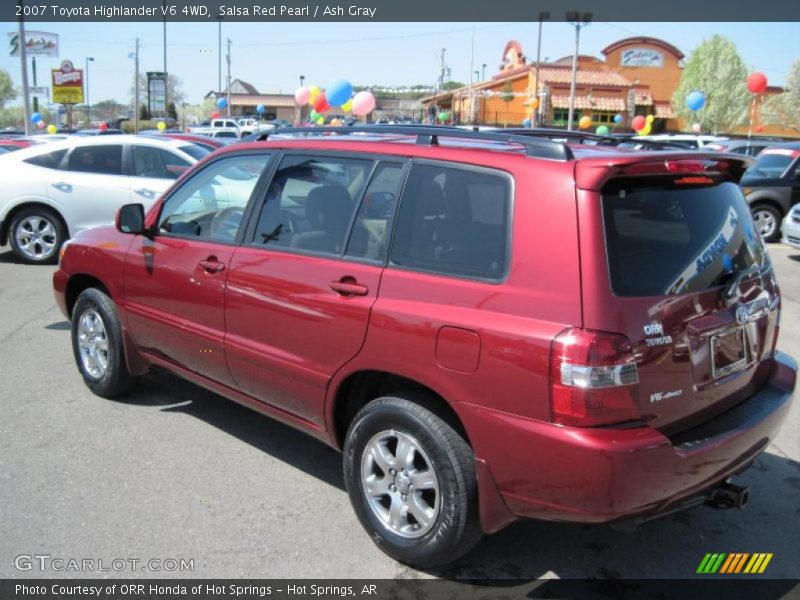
644,99
583,103
585,77
664,110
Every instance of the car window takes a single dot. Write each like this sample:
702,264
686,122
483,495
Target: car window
210,205
310,203
106,160
772,163
370,236
49,160
156,162
197,150
454,221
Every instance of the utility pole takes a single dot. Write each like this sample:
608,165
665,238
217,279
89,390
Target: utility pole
471,83
23,61
578,20
228,57
537,114
136,89
219,55
441,71
88,103
166,77
35,97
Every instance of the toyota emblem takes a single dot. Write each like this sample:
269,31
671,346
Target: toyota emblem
741,315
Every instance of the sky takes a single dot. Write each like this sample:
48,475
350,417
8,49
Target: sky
272,56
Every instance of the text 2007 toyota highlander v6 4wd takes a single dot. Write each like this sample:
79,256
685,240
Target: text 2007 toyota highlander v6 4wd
488,326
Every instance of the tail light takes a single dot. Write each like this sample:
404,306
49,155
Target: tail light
593,379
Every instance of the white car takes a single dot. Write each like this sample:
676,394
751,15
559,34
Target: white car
684,139
52,191
791,227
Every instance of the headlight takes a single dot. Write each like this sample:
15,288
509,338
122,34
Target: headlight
747,191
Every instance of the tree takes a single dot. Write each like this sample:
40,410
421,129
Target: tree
784,109
172,112
507,96
144,114
7,91
717,70
453,85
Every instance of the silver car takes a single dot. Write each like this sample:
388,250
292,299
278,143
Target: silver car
791,227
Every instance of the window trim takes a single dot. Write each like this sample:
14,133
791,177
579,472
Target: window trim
248,210
503,277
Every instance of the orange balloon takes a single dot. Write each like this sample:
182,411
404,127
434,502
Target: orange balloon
585,122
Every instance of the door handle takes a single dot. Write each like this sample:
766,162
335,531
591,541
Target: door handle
348,286
145,192
61,186
212,265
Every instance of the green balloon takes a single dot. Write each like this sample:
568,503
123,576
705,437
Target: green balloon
313,115
602,130
442,116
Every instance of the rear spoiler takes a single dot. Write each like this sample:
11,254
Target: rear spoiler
593,173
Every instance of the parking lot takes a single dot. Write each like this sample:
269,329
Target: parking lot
176,472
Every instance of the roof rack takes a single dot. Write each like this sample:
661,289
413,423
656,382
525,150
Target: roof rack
429,135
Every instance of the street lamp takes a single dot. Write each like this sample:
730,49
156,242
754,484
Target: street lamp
536,115
302,77
483,72
88,104
578,20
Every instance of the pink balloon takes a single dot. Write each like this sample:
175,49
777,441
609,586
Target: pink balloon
363,103
301,95
697,128
41,124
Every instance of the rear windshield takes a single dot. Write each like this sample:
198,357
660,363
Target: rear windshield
196,151
668,241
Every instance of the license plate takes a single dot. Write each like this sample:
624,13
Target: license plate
728,352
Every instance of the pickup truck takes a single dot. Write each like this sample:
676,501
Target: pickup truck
218,125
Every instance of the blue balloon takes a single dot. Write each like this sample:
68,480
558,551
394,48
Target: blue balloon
695,100
36,117
727,262
261,109
526,123
338,92
222,103
617,119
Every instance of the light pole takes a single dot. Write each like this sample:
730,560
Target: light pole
537,112
302,77
88,103
483,72
578,20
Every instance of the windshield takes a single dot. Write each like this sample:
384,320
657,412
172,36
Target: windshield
770,164
668,241
196,151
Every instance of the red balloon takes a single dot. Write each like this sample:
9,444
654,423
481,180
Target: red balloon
638,123
760,128
756,82
103,126
321,103
215,114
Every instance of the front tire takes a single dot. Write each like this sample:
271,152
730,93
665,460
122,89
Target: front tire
411,480
36,235
768,221
97,345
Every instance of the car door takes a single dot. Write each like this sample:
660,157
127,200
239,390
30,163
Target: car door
175,278
152,171
300,290
91,186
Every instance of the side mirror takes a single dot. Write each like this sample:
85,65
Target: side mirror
130,219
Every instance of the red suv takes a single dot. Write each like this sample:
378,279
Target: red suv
488,326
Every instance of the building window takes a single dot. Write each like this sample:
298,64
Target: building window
561,116
603,117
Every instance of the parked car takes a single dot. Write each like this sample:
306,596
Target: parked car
13,144
488,326
216,127
206,143
685,139
747,147
772,187
791,227
53,191
90,132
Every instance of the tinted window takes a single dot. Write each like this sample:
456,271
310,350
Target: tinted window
155,162
663,241
454,221
370,236
50,160
210,205
311,202
197,151
770,163
97,159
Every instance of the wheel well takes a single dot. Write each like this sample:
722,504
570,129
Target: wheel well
79,283
362,387
25,206
770,201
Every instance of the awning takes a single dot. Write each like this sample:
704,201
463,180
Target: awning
663,110
595,103
644,99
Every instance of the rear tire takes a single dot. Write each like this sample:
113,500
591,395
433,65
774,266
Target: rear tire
768,221
35,235
412,483
97,345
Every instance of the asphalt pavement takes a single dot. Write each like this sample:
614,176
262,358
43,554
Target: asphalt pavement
176,472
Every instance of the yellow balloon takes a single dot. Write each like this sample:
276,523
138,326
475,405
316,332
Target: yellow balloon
313,92
585,122
650,118
52,128
161,126
646,130
320,120
347,105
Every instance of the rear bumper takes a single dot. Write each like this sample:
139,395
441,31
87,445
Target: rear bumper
602,474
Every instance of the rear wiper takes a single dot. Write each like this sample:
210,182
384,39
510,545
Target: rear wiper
732,287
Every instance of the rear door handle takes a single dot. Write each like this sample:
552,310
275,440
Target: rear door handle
145,192
63,187
212,265
348,286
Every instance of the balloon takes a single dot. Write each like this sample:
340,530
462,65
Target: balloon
339,92
161,125
601,130
40,124
650,118
301,95
646,130
321,103
695,100
320,120
759,128
36,117
313,115
103,126
534,103
585,122
215,114
697,128
617,119
442,116
363,103
347,106
52,128
222,102
312,93
638,123
526,123
335,122
261,109
756,83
